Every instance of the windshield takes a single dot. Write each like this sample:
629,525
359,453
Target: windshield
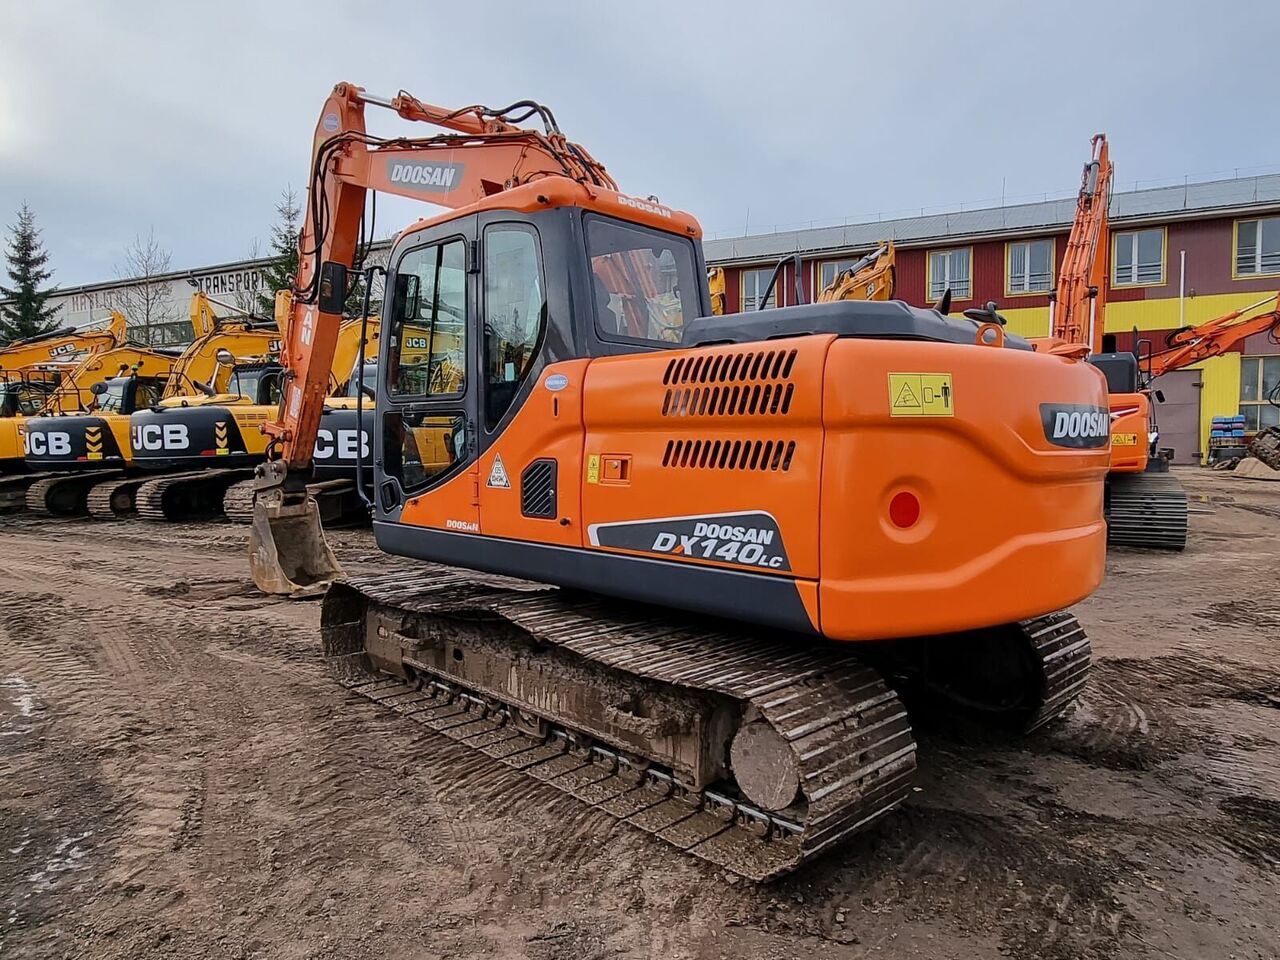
23,399
112,400
370,380
256,384
643,281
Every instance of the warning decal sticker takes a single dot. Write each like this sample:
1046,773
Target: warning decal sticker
921,395
498,474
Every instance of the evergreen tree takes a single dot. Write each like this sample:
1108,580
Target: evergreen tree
25,312
284,251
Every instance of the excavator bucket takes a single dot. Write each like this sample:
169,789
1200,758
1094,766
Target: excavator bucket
288,553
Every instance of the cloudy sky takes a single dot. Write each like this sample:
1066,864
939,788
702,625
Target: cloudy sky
121,117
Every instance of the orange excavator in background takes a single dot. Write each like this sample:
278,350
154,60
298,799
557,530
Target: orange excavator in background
757,517
1145,504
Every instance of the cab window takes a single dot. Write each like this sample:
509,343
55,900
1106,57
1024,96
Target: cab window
643,281
427,342
515,313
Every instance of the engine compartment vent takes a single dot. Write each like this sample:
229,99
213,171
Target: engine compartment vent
730,454
729,384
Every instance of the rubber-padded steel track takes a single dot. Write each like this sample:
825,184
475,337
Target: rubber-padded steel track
196,495
1266,447
336,499
1146,510
848,733
64,495
1063,652
237,502
13,489
114,499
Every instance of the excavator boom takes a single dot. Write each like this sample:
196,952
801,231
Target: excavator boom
1077,305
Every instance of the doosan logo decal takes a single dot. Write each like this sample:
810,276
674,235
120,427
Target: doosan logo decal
431,177
1076,425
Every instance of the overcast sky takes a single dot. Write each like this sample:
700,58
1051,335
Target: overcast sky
119,117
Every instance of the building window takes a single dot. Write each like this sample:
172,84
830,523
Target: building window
949,269
1259,383
1258,247
754,283
1030,266
828,271
1139,258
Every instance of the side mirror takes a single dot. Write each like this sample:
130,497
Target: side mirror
1159,395
408,295
98,389
225,357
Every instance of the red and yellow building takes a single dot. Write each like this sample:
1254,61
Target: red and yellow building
1178,256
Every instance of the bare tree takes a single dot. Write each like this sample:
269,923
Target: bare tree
147,299
246,300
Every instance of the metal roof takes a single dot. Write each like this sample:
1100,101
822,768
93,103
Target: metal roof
1185,201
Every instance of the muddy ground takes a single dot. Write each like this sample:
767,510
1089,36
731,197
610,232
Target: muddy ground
180,778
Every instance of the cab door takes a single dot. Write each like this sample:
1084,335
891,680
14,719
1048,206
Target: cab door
426,441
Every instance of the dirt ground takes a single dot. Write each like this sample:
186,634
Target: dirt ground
180,778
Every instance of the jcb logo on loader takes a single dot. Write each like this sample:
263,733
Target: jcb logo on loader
415,343
161,436
52,444
341,447
1076,425
62,350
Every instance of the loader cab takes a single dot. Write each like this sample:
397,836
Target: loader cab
477,306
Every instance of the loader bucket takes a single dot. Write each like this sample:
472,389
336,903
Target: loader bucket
288,553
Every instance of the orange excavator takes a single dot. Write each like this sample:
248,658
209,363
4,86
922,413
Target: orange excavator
1145,504
662,560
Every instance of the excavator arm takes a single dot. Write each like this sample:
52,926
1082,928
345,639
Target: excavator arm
1077,306
1192,344
871,278
63,344
482,152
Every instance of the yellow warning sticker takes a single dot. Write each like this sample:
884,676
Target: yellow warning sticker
1124,439
921,395
593,468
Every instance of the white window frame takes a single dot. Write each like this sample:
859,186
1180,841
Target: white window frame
1130,238
947,256
1026,289
760,276
1258,252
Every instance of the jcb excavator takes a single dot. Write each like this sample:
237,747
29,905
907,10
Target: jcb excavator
30,371
666,559
342,439
1145,504
97,444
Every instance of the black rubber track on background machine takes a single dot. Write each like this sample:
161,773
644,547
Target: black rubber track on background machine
849,733
186,496
1146,510
336,499
13,489
64,495
114,499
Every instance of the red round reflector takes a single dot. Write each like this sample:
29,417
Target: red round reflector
904,509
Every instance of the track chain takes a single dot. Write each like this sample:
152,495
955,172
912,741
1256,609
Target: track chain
1266,447
13,489
63,494
1147,510
196,494
114,499
848,733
